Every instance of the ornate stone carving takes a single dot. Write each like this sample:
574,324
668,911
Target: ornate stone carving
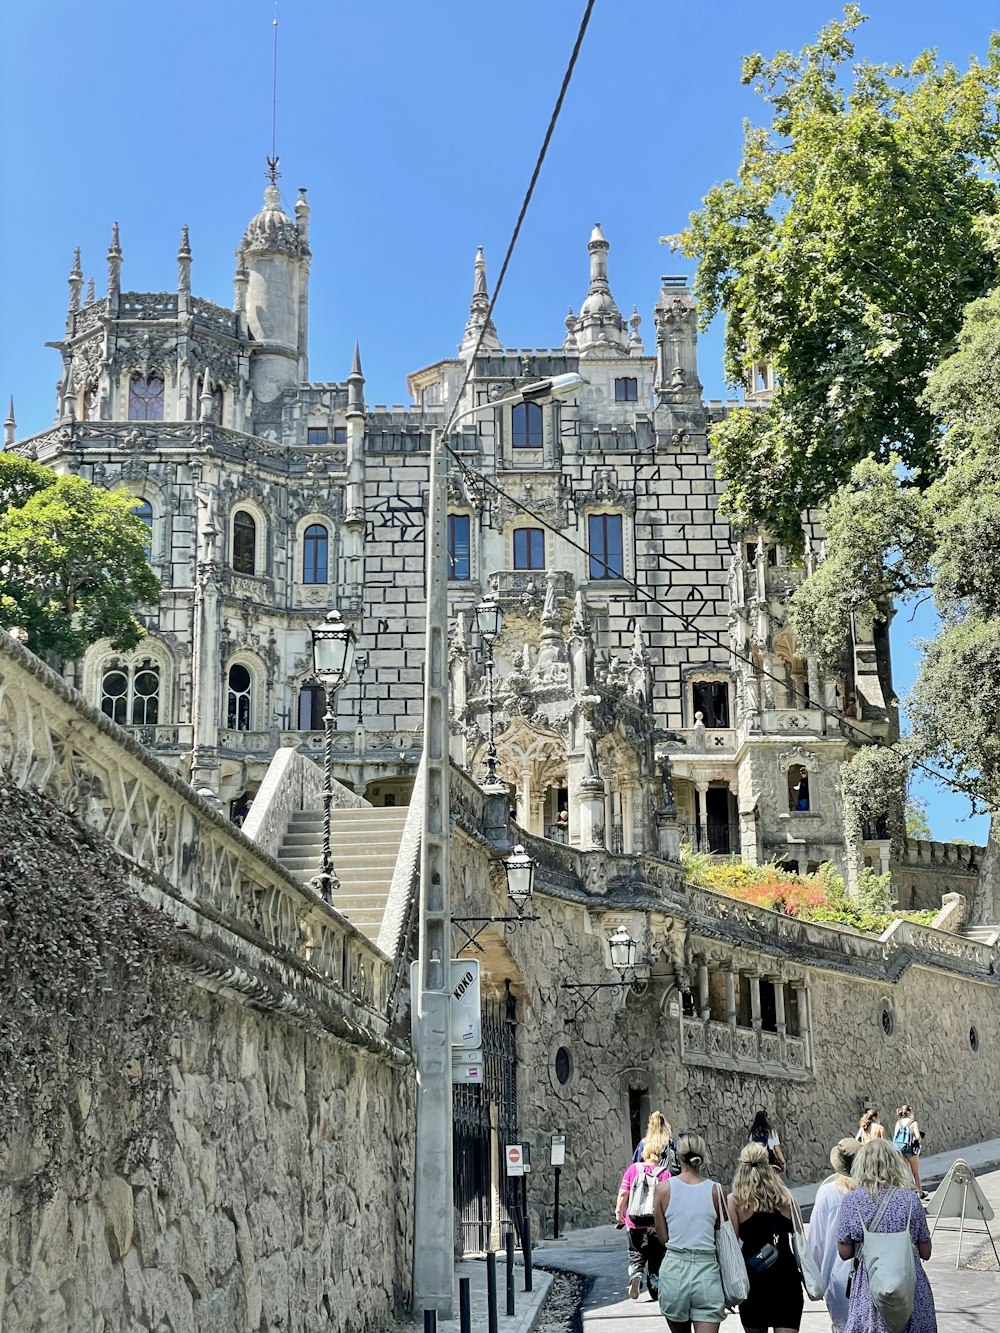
604,491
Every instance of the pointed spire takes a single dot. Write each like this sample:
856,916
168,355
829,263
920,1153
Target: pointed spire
600,324
635,338
91,291
184,263
240,282
114,269
75,282
569,342
206,402
356,386
302,214
479,312
10,425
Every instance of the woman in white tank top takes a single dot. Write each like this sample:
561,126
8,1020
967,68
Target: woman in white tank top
686,1211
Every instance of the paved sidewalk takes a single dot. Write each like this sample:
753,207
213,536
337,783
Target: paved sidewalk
967,1302
527,1304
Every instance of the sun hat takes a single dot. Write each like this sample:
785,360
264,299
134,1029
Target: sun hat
842,1155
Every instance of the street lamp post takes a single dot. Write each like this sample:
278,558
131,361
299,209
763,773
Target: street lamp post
433,1246
489,620
333,652
361,666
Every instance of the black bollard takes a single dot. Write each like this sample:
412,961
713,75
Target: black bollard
430,1321
465,1304
555,1210
525,1234
510,1273
491,1290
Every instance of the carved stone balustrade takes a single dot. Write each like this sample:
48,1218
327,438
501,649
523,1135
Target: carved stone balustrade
717,1045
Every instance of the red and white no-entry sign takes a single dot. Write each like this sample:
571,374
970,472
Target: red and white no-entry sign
515,1160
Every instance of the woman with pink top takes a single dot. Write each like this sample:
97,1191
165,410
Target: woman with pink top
645,1253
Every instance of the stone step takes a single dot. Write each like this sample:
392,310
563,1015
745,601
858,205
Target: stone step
982,934
339,837
356,851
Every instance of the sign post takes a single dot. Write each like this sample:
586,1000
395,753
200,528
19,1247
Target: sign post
557,1156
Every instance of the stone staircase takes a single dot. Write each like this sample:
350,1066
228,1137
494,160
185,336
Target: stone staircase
982,934
364,843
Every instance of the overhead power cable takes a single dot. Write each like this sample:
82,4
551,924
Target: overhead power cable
553,119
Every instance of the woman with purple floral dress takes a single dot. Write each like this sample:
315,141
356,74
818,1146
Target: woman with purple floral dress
879,1170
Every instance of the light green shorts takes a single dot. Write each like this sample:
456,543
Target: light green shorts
691,1286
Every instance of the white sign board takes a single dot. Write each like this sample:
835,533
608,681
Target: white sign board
557,1150
467,1072
466,1019
959,1195
515,1159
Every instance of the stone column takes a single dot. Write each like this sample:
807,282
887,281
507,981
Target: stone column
730,979
702,816
755,1001
703,1003
779,1015
805,1021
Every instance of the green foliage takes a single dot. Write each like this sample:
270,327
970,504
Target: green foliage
90,996
20,479
821,897
72,564
915,818
873,786
878,548
844,254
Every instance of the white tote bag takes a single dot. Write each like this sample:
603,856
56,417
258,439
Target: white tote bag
735,1282
892,1270
812,1278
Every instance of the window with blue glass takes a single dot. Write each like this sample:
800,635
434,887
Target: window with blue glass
315,551
529,548
459,548
526,426
606,546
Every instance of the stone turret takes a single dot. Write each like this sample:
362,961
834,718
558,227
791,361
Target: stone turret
114,272
599,327
276,259
479,314
9,426
677,344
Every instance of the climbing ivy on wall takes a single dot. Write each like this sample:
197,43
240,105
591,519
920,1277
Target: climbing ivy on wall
89,1003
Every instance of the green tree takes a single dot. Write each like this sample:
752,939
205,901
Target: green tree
917,823
844,255
73,562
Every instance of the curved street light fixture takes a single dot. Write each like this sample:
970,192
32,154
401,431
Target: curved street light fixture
489,622
333,655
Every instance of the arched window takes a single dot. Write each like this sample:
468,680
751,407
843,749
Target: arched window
244,542
145,398
239,702
526,426
144,510
798,788
130,692
315,551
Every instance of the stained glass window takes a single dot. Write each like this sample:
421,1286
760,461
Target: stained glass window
145,398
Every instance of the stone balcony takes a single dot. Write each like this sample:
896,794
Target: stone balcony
717,1045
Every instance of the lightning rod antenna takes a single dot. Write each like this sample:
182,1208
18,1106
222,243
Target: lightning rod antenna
272,161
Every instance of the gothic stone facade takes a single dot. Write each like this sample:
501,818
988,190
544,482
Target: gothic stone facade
620,700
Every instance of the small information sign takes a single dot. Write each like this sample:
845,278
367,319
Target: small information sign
557,1150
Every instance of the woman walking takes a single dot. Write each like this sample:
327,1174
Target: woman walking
880,1182
823,1232
760,1209
687,1209
645,1253
870,1126
907,1138
763,1132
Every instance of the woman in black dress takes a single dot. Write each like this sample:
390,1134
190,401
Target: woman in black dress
760,1209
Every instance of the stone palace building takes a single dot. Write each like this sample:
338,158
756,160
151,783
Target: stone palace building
625,717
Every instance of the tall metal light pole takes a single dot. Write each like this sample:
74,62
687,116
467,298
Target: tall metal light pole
489,620
333,652
434,1223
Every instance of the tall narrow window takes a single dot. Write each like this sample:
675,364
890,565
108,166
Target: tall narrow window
145,398
340,434
130,694
626,390
315,548
711,699
144,510
244,542
607,549
526,426
529,548
240,698
311,707
459,550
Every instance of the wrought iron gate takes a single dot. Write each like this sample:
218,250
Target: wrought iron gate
485,1119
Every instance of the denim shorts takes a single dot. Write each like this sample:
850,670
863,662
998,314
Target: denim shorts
691,1286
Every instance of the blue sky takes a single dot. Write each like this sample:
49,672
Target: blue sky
414,127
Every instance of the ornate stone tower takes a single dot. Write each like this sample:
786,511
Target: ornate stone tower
273,261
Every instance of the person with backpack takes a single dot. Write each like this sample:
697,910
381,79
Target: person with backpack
762,1132
653,1125
880,1222
907,1138
634,1206
760,1209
